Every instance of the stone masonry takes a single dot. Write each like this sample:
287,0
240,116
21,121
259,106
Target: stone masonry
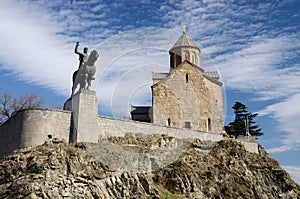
187,96
84,116
179,101
32,127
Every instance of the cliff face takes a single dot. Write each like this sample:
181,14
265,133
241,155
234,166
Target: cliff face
143,167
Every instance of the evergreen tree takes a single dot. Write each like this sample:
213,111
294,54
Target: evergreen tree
243,122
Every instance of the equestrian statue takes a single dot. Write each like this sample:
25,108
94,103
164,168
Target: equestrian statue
86,70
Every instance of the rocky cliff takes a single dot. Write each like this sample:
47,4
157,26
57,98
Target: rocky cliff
143,167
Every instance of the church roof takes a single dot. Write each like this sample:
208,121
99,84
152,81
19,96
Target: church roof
212,74
159,76
140,109
184,41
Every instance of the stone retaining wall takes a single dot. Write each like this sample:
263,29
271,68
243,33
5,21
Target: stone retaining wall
32,127
118,127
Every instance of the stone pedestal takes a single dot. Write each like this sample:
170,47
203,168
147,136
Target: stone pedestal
84,117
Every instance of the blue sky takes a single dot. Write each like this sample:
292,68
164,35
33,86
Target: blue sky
255,46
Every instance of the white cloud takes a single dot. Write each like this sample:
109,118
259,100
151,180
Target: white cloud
260,68
256,51
279,149
294,172
125,66
38,38
33,51
255,68
287,113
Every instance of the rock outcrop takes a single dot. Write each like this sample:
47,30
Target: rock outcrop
172,169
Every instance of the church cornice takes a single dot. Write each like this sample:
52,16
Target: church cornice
212,80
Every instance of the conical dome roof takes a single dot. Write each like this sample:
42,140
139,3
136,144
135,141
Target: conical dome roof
184,49
184,41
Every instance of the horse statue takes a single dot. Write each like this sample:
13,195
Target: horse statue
85,74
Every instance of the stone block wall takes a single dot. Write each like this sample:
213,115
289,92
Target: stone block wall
118,127
84,115
31,128
182,99
11,133
250,146
217,118
249,142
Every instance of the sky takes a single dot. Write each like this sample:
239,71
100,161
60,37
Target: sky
254,45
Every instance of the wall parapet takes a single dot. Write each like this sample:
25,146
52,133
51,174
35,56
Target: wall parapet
120,127
31,127
246,138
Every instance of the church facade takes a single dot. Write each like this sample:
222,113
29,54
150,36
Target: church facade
186,96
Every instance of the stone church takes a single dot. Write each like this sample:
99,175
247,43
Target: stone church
187,96
186,103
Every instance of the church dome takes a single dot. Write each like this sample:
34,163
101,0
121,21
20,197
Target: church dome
184,41
184,49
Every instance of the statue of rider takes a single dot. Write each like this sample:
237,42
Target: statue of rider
83,57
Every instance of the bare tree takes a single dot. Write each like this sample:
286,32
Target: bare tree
10,105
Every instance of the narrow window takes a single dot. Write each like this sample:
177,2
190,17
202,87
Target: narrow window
172,59
169,122
187,125
178,60
187,78
209,124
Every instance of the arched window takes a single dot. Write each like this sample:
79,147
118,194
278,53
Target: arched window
209,124
187,55
193,59
178,60
169,122
187,78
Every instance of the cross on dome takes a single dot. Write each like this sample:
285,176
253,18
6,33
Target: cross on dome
184,27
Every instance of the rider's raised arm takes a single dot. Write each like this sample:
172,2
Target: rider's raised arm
76,49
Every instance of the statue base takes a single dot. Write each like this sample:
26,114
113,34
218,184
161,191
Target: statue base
84,109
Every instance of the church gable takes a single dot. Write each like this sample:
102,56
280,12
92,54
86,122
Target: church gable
185,69
182,99
187,96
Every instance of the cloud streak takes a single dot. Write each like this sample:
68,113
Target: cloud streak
287,113
126,64
294,172
256,48
33,52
